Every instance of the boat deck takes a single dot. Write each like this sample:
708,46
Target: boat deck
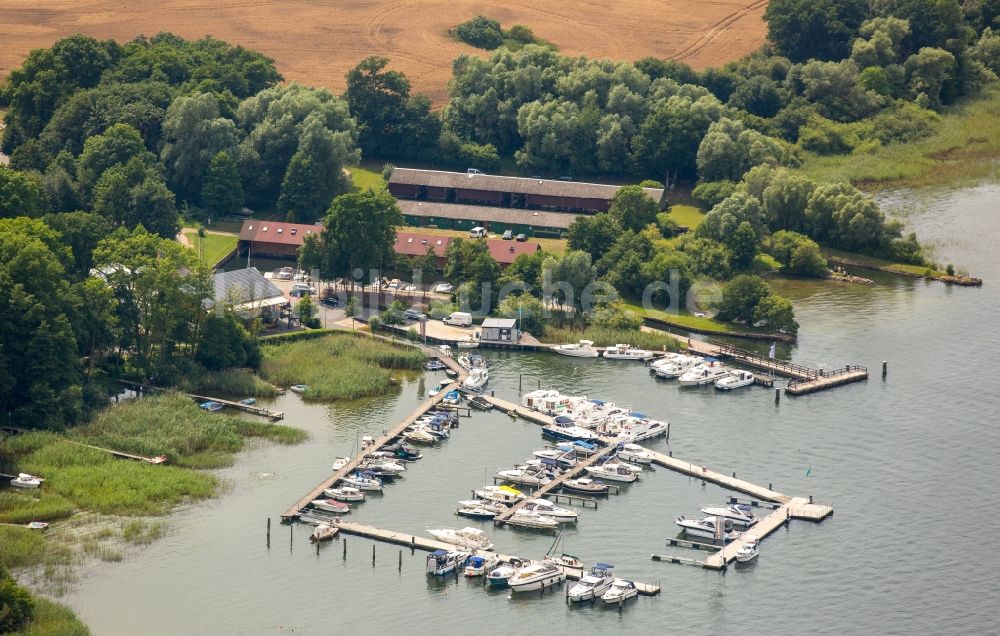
294,511
429,545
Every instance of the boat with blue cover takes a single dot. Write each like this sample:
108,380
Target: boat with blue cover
442,562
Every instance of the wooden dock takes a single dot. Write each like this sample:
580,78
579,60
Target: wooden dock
293,512
246,408
853,373
581,465
415,542
704,473
515,409
120,454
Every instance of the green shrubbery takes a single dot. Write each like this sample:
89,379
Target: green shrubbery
486,33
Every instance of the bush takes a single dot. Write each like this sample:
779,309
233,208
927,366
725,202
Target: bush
616,317
481,32
711,193
604,337
16,605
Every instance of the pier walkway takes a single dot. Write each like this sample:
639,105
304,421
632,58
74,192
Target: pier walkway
294,511
246,408
429,545
581,465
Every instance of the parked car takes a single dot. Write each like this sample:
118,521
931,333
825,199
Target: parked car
459,319
477,232
444,288
408,287
521,238
508,235
393,284
331,301
298,289
413,314
473,171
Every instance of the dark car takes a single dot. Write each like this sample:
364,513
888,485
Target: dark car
521,238
331,301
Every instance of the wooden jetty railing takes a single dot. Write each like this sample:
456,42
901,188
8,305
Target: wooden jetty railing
294,511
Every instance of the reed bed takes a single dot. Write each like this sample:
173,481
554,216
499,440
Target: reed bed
338,367
53,619
234,382
603,337
42,505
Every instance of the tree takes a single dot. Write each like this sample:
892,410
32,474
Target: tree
722,220
351,309
798,254
81,232
16,605
21,194
622,265
117,145
40,374
571,277
134,194
222,192
306,311
776,312
708,258
391,122
528,310
224,343
668,139
359,233
932,22
740,297
633,208
785,200
928,71
742,243
814,29
616,317
481,32
593,234
316,171
527,271
194,132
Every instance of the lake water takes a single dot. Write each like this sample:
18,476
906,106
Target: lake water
909,463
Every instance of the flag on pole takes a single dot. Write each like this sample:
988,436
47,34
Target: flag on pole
770,353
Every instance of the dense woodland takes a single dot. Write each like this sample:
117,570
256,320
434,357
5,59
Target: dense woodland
112,145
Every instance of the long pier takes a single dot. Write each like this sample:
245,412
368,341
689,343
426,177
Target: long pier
246,408
295,510
580,466
429,545
110,451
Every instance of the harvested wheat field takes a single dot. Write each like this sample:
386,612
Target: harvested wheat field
317,41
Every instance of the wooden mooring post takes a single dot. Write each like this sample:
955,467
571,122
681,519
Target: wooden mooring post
269,533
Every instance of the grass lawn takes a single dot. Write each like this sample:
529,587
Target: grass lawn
213,246
961,150
365,177
688,216
550,245
686,320
918,270
608,337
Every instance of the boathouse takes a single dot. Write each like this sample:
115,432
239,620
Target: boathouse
499,330
506,192
248,293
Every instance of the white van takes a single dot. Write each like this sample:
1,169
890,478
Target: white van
477,232
459,319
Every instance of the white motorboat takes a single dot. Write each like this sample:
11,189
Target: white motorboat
582,349
472,361
676,367
735,380
442,562
562,458
499,576
345,493
532,519
594,584
547,401
585,485
340,462
299,388
363,480
635,427
635,454
561,559
467,342
419,436
627,352
499,494
331,505
708,527
704,374
536,576
324,532
478,565
24,480
472,538
741,515
565,431
614,471
480,511
749,550
549,509
385,465
620,591
527,475
477,379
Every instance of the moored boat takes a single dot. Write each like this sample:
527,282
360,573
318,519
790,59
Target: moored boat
324,532
627,352
635,454
549,509
708,527
345,493
477,379
749,550
620,591
24,480
592,585
299,388
477,511
364,480
480,403
435,365
735,380
741,515
536,576
566,431
442,562
331,505
500,494
582,349
340,462
211,406
532,519
499,576
527,475
586,486
472,538
478,565
614,471
702,374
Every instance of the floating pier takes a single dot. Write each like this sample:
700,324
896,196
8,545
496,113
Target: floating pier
295,510
429,545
